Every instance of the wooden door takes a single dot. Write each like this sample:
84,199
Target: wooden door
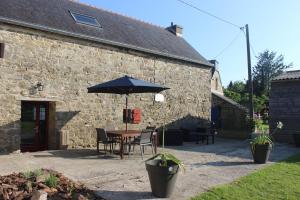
34,126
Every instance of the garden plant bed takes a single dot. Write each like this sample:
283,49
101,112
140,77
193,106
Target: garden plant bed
43,182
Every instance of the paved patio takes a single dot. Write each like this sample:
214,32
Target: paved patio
112,178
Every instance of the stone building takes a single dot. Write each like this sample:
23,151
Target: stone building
230,118
51,51
284,105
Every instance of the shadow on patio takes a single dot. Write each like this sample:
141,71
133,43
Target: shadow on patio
75,154
125,195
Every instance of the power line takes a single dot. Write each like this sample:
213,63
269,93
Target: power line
207,13
229,45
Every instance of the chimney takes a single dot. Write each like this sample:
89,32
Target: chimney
215,67
175,29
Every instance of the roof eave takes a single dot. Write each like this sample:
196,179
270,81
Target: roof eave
95,39
286,80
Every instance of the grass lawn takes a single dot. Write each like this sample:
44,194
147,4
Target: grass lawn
279,181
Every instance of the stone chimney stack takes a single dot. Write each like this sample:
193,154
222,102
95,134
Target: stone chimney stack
215,67
175,29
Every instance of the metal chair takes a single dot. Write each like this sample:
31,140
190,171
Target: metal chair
144,140
102,138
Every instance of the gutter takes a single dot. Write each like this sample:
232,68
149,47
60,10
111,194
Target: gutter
103,41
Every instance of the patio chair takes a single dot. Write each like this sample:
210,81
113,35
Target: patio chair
152,128
144,140
102,138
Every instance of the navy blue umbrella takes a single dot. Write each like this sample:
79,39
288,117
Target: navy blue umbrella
126,85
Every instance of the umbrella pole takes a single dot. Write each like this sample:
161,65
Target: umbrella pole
126,111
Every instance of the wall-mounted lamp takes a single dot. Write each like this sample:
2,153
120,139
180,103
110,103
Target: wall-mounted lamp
39,86
159,98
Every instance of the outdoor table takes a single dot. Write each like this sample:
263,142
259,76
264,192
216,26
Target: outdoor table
123,135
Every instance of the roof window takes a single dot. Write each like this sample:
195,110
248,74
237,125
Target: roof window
85,19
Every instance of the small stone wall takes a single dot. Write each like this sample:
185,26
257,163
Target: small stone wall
233,121
67,67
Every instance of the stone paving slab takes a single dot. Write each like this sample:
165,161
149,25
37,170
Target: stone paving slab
115,179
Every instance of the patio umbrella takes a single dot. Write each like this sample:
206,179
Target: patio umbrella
126,85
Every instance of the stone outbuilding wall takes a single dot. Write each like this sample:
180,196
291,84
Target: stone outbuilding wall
66,67
284,105
232,120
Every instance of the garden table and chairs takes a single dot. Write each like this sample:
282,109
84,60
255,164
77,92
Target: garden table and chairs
126,137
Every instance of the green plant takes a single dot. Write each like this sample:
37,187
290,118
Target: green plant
261,126
165,157
51,181
264,137
261,139
27,174
37,172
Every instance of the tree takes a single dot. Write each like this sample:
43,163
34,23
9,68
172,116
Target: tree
237,86
237,91
268,66
232,95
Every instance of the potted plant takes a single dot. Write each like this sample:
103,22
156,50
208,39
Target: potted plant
162,171
163,168
262,144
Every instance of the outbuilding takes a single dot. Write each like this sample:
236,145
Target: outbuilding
284,105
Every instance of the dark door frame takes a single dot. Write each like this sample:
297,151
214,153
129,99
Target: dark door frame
37,146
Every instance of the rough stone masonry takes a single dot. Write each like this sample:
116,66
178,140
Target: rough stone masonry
67,66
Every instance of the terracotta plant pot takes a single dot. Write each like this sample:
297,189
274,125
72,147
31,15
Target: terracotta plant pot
261,153
162,179
297,139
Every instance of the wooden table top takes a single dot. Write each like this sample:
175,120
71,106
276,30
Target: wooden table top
124,132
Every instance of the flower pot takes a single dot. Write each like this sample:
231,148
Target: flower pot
261,153
297,139
162,179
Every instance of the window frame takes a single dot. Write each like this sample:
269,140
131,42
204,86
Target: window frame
73,14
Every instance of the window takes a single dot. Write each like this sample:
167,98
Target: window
217,83
85,19
2,50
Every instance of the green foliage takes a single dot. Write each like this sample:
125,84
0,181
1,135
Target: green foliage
38,172
261,126
165,157
260,140
268,66
28,174
237,92
237,86
31,174
264,137
232,95
51,181
279,181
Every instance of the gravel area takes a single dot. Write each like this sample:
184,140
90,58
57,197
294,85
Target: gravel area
114,179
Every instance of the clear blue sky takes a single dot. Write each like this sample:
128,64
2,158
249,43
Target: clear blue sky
274,25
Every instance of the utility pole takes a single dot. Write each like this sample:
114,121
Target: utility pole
250,83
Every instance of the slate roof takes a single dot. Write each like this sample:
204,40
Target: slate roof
118,30
288,75
230,101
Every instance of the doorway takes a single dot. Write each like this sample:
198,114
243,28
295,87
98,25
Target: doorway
34,126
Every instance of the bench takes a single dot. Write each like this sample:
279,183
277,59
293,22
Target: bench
197,134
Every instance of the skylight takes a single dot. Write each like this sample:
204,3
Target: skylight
85,19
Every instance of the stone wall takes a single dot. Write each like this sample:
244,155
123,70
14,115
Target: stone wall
233,120
284,105
216,84
67,67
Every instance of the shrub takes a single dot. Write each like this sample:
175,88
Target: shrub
51,181
27,174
